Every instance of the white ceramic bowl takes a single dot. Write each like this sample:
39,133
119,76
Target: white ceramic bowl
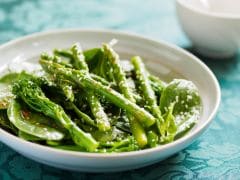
213,26
165,60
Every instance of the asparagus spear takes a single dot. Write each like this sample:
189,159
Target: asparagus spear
78,62
100,79
33,96
84,80
148,93
120,79
119,74
63,53
64,85
95,105
81,114
67,90
78,58
89,54
98,111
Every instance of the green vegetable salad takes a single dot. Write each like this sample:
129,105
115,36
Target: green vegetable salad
91,101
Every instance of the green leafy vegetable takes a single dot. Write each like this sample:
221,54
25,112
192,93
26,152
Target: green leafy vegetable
184,93
33,96
92,101
187,104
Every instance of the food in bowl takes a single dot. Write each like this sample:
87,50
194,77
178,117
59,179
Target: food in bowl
91,101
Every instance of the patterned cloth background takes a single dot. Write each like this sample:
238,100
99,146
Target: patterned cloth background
215,155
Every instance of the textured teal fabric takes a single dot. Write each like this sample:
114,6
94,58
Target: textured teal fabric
215,155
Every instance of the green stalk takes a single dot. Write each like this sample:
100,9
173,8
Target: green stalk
120,79
95,105
84,80
81,114
147,91
33,96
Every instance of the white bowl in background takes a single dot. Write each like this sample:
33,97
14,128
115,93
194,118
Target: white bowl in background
165,60
213,26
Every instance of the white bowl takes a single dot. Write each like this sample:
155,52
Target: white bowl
165,60
213,26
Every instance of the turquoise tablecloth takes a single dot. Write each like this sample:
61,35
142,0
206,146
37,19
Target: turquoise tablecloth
215,155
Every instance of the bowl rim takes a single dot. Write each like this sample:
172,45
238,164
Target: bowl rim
211,14
177,142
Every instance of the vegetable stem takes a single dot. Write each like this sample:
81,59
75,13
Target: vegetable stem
33,96
120,78
84,80
95,105
147,91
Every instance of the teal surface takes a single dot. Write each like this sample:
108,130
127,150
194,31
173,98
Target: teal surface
215,155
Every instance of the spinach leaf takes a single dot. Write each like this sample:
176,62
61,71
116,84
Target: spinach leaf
187,104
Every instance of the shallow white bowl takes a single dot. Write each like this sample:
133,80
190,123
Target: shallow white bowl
213,26
165,60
